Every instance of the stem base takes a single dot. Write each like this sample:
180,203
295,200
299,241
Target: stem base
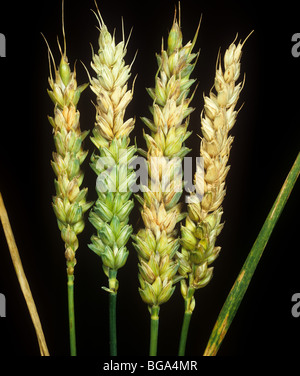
154,330
71,315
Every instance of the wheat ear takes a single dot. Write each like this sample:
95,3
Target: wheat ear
69,203
157,243
203,223
112,162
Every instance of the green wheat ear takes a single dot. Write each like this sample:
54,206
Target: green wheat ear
157,244
112,163
69,203
112,159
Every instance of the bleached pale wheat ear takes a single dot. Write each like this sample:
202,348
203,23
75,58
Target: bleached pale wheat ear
203,223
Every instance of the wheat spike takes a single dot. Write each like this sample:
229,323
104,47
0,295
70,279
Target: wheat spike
69,204
157,243
110,215
203,223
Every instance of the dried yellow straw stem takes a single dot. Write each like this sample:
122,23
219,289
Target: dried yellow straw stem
14,253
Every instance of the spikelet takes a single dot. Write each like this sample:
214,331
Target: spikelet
69,204
203,223
157,243
110,214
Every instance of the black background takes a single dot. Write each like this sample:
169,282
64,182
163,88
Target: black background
265,146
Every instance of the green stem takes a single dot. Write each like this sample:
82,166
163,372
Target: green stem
184,332
113,285
154,330
71,315
189,302
113,323
241,284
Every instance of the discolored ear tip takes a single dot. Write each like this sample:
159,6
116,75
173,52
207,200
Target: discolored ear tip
64,70
174,38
